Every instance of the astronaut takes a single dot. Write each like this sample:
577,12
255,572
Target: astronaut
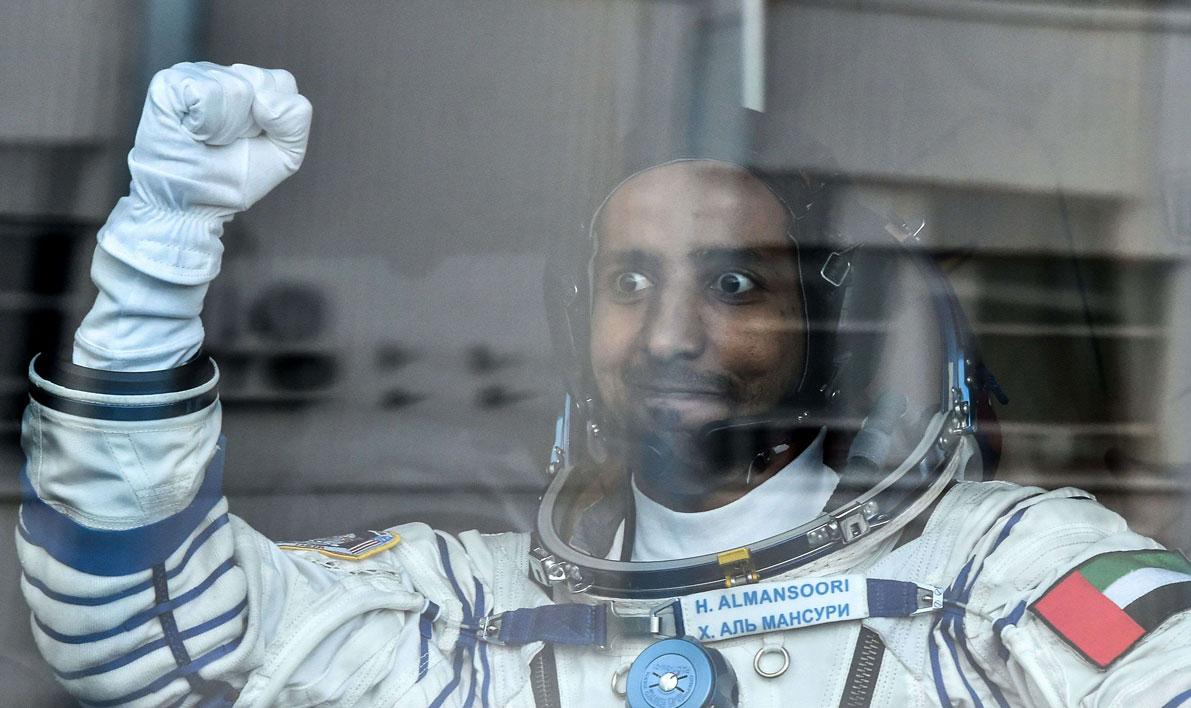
764,480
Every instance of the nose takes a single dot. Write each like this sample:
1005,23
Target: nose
675,327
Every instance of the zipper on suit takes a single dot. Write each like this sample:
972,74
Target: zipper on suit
543,679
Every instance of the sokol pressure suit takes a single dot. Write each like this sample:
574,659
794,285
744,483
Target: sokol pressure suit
146,591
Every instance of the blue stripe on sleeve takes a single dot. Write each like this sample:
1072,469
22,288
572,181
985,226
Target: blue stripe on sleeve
483,651
457,667
962,676
445,555
1179,699
1000,625
165,680
951,621
141,617
425,627
997,694
479,612
461,643
153,646
80,600
487,673
966,591
115,553
169,626
935,668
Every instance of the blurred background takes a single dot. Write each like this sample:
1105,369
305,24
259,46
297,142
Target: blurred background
379,320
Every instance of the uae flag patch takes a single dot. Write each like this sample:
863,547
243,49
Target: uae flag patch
1109,602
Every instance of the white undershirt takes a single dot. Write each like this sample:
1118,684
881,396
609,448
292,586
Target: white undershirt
793,496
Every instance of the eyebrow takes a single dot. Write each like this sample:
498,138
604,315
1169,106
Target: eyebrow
629,258
716,256
722,256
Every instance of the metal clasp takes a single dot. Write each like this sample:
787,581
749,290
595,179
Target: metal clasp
658,623
853,525
548,571
856,521
663,620
930,599
847,525
737,566
545,569
488,629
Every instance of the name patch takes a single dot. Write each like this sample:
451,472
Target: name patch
350,546
770,607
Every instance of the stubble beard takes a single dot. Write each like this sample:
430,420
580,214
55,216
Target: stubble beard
670,462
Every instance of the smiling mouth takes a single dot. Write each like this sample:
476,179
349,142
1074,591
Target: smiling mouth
678,392
670,382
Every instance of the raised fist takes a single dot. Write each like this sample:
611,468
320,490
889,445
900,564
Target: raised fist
211,142
214,140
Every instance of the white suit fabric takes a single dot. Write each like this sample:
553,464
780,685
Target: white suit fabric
793,496
220,611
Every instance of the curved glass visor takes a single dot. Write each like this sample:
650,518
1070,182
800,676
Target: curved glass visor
900,400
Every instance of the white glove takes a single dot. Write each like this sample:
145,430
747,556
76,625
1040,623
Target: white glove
211,142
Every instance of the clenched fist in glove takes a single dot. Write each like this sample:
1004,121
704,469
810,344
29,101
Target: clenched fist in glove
211,142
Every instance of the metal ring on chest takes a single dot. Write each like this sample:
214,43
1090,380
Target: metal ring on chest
771,649
617,675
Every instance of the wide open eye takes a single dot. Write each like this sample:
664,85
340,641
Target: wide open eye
733,283
631,282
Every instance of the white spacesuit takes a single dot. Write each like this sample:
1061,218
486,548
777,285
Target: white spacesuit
920,589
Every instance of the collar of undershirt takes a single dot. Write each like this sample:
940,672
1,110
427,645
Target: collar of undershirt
793,496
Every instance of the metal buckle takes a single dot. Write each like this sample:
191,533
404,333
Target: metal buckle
930,599
545,570
488,629
737,566
663,620
617,625
659,623
848,524
853,525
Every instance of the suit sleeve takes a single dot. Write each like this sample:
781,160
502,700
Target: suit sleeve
1062,605
144,590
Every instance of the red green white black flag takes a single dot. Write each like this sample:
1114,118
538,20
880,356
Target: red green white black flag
1109,602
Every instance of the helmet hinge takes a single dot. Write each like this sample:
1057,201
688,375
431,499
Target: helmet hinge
737,566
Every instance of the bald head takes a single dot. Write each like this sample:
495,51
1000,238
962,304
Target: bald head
694,196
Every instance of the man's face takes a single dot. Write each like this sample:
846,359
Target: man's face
697,312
